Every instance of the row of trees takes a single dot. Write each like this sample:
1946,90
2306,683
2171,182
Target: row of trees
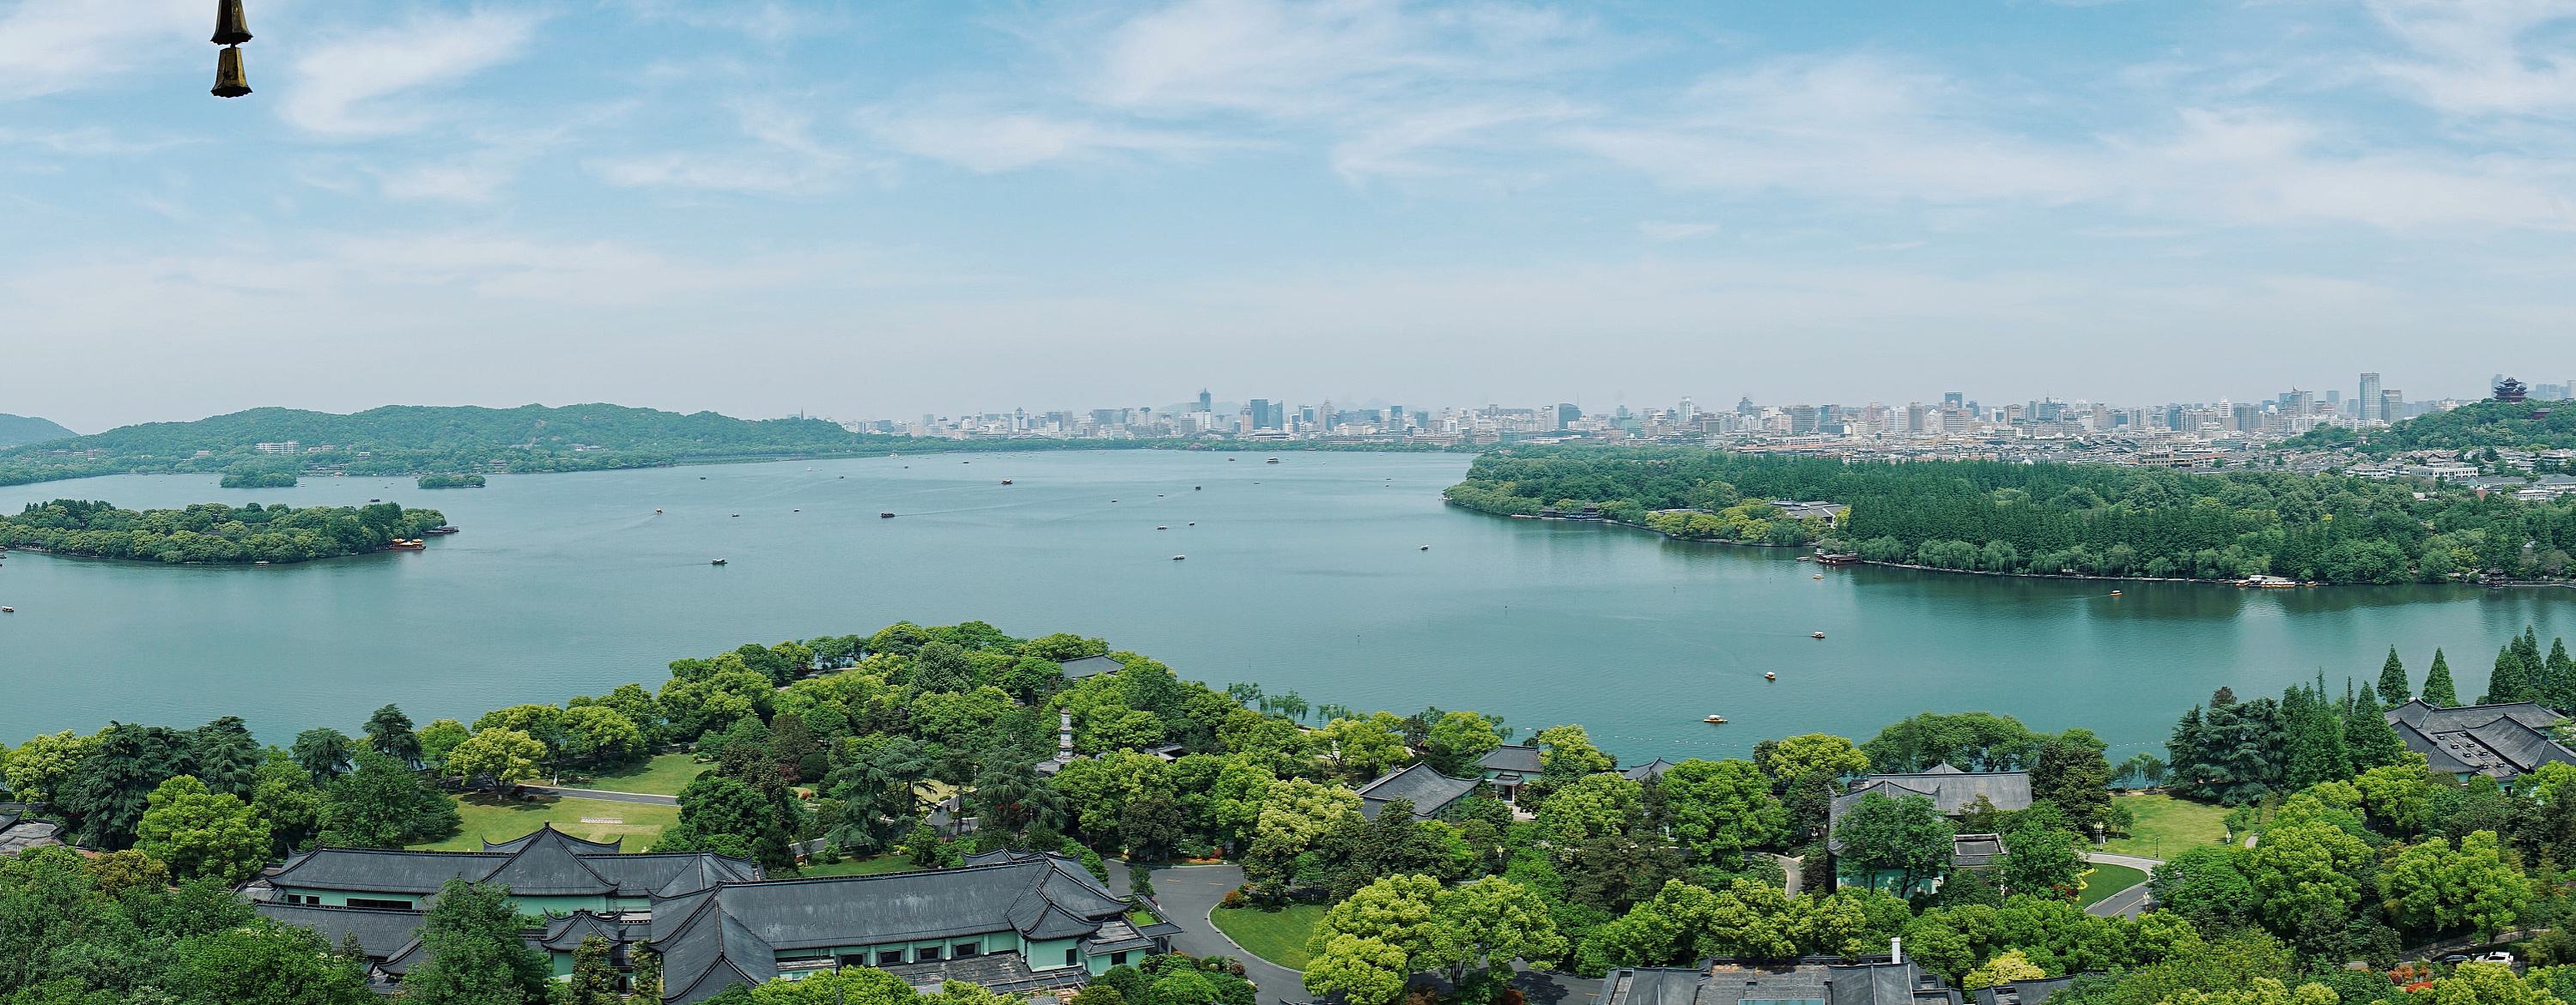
213,532
2485,425
2050,519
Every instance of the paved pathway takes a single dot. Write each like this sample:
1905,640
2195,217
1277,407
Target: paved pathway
2127,903
1187,893
604,795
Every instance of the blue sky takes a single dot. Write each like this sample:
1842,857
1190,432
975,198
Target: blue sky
885,209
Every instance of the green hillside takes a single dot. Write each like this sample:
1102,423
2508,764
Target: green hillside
17,429
2518,426
399,439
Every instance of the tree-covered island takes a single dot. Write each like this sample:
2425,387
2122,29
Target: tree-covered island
451,481
2050,519
213,532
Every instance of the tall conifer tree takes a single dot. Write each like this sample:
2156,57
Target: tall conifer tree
2510,681
2438,690
2368,738
2393,689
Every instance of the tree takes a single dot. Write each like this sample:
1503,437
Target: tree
382,804
288,801
2393,689
730,817
506,756
323,751
1907,837
40,764
111,787
1297,816
225,757
2041,858
2304,871
201,834
2368,738
1362,971
601,733
1458,740
268,963
2510,681
1366,747
439,738
476,955
2432,887
2006,968
1592,806
389,732
1395,910
2316,751
2487,984
1151,827
2207,886
2071,773
1566,753
2438,690
594,974
1722,809
1486,924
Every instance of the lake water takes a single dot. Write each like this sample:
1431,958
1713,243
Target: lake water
1304,575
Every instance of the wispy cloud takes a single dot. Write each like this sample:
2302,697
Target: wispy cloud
2483,57
52,46
341,82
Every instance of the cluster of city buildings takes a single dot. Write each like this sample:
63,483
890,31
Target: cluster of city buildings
2194,434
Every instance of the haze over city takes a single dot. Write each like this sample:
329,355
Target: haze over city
886,210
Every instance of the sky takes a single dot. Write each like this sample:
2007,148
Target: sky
890,208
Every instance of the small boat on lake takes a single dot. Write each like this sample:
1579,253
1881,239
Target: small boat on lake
1426,547
885,516
1006,481
1815,635
1273,460
1177,558
8,610
1162,528
400,544
445,529
2115,593
718,561
1767,675
1715,720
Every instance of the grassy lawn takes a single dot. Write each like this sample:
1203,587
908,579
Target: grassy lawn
1278,936
2104,880
861,866
503,819
2167,827
663,775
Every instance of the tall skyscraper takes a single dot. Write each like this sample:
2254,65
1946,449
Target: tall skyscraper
2367,406
2392,405
1206,400
1261,414
1567,415
1954,399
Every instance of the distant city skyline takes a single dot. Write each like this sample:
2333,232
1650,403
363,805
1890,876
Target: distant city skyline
885,209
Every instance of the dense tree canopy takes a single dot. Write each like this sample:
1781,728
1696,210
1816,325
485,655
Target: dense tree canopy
213,532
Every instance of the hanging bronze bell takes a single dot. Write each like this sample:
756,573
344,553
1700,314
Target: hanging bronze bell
231,28
229,79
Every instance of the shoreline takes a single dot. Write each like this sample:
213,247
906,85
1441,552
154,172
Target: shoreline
2498,585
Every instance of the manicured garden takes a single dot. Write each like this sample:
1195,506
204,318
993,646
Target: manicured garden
2162,826
661,775
500,819
1278,936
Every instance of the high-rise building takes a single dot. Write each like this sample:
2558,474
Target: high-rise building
2367,405
1262,417
1803,419
1954,399
2392,405
1206,401
1568,414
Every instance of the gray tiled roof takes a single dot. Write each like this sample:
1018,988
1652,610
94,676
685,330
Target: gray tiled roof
584,845
380,933
2034,992
543,864
1515,757
1651,769
1876,983
1951,790
1089,666
2500,741
1429,790
734,932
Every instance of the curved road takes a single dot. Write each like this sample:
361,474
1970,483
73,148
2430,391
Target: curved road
1187,894
2127,903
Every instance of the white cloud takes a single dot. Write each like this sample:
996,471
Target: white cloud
340,80
1676,230
52,46
2484,57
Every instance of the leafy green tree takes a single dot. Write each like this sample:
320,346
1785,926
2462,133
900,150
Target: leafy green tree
594,974
1362,971
2041,858
382,804
2316,752
505,756
728,817
1722,809
323,751
1566,753
439,738
1294,820
2432,887
1489,923
286,798
1365,747
1397,911
476,955
1972,741
2070,773
1458,740
2007,967
2486,984
268,963
2438,689
109,789
225,757
201,834
40,764
389,732
1591,806
2306,870
1907,837
2393,689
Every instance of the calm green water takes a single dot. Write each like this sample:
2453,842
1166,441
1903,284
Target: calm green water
1303,575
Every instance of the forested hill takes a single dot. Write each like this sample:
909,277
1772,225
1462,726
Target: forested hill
17,429
2509,426
2046,519
407,438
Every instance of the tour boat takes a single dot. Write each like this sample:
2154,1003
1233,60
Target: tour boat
8,610
1820,575
443,529
1815,635
1162,528
1194,523
1802,558
657,511
1273,460
400,544
1426,547
2115,593
1197,488
885,516
1006,481
1715,720
1767,675
716,562
1177,558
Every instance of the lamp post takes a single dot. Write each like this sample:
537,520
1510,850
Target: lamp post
231,30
